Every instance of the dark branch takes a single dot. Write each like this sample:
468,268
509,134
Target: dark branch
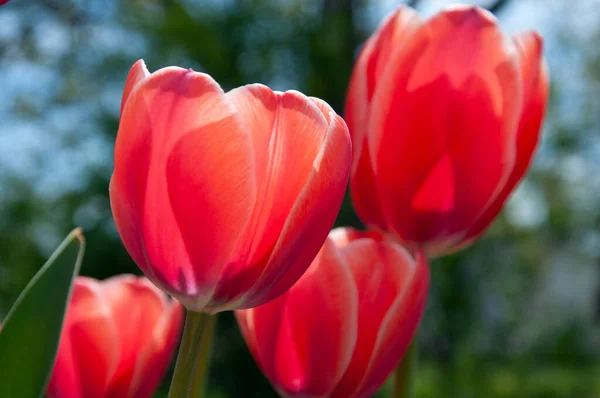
413,3
497,5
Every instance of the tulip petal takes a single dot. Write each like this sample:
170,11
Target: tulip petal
137,73
399,327
193,162
288,132
137,306
311,217
453,90
118,339
153,362
534,74
212,189
342,236
392,34
87,342
260,327
163,329
382,272
309,338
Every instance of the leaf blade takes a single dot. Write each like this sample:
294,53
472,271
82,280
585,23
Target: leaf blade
31,330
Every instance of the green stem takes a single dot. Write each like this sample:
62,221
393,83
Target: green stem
189,379
405,372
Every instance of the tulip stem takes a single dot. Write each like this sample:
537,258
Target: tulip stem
189,379
405,372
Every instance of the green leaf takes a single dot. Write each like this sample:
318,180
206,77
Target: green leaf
31,331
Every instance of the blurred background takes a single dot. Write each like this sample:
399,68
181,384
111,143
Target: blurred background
517,315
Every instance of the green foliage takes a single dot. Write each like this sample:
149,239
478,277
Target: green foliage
31,331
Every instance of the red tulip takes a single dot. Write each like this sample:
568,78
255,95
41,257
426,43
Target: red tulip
445,116
345,325
117,340
224,199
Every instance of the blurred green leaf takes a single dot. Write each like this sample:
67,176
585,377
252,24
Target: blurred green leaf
31,331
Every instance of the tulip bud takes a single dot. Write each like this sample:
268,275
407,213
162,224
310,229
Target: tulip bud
224,199
117,340
345,325
444,116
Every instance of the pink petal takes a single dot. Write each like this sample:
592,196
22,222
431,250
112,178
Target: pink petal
88,352
372,61
137,306
212,189
304,339
259,327
443,125
325,109
154,361
536,87
342,236
137,73
154,357
382,272
400,324
311,217
181,163
288,132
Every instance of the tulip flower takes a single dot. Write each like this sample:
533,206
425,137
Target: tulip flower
118,338
224,199
445,116
345,325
